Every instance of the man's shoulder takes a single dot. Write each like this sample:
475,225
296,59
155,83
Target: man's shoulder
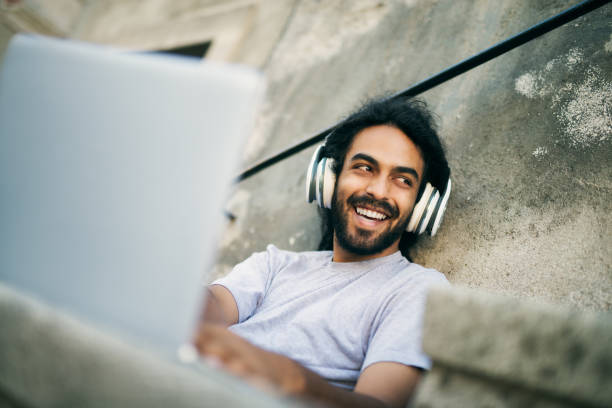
427,273
416,274
410,285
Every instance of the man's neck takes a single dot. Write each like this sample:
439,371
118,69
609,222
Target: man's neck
343,255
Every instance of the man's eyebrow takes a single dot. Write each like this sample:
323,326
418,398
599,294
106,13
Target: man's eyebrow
408,170
396,169
366,157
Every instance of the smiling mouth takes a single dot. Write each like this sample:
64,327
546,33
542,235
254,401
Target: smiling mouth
371,214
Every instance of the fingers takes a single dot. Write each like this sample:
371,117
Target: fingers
209,336
223,349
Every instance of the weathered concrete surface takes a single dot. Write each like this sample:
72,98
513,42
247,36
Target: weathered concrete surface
449,388
55,18
499,351
48,359
529,137
528,134
238,30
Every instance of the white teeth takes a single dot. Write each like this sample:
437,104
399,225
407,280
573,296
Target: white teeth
370,213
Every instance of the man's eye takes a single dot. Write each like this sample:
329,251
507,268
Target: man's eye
364,167
406,181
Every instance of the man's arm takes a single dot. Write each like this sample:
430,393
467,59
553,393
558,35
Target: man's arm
384,384
219,307
393,383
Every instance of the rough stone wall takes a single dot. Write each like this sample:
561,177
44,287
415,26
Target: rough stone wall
528,134
528,137
238,30
496,351
51,360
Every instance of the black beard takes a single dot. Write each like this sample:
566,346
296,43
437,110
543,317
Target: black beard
362,242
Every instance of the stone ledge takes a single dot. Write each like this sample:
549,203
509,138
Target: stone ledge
559,352
48,359
448,388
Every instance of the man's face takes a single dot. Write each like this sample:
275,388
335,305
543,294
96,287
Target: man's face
376,191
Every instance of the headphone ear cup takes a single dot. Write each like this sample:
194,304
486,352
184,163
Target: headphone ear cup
325,182
311,175
440,209
419,208
429,210
329,183
319,181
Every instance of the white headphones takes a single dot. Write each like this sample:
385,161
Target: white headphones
427,213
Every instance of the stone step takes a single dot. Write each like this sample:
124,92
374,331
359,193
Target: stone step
49,359
490,350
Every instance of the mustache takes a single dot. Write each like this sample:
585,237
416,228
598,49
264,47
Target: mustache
366,201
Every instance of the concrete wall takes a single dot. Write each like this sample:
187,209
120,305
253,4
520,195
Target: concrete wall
528,137
239,30
244,30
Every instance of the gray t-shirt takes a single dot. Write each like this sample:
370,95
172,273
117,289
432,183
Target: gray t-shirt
333,318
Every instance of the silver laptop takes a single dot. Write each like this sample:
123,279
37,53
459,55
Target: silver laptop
114,168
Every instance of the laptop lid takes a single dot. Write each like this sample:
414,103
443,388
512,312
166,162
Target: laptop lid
113,171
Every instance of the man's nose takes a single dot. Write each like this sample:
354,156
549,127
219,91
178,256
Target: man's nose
377,187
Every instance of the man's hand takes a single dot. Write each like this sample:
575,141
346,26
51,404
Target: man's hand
257,366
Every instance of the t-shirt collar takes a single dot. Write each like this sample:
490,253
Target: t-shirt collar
370,263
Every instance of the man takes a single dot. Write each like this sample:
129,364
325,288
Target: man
341,327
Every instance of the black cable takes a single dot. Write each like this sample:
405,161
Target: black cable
447,74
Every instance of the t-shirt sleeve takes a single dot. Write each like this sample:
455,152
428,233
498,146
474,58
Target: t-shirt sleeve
398,328
248,283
